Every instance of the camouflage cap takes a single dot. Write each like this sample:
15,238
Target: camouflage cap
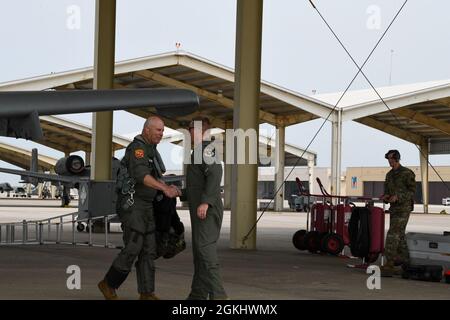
395,154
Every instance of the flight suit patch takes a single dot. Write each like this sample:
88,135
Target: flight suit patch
139,153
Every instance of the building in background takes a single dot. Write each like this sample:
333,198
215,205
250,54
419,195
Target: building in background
369,181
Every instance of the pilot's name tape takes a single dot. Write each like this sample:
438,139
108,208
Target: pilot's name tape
225,309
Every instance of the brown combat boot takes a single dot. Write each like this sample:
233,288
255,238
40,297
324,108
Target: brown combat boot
398,271
148,296
399,262
388,270
108,292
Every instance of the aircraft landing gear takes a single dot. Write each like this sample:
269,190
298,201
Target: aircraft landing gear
80,227
97,227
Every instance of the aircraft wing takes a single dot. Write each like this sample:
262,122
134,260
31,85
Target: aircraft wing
20,110
73,179
41,177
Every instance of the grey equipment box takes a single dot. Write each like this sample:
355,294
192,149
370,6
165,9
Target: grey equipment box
96,198
263,205
429,249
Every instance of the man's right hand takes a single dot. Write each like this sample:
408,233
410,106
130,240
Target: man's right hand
171,191
179,193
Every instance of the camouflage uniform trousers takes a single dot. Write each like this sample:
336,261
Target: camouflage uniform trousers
396,248
140,245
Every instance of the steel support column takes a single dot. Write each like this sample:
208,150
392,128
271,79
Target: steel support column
311,176
246,116
336,149
279,168
87,158
424,154
102,122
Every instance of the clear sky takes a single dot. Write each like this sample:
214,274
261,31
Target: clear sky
45,36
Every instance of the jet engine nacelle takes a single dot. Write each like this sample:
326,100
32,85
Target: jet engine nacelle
71,165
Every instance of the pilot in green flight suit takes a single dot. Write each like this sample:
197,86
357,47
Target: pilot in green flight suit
203,179
138,219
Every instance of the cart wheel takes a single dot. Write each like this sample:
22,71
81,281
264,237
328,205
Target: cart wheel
371,257
447,277
298,240
436,279
80,227
332,243
312,241
322,235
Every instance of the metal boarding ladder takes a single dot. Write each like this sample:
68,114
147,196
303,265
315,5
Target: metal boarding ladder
8,231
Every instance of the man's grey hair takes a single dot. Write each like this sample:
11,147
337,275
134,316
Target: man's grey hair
150,121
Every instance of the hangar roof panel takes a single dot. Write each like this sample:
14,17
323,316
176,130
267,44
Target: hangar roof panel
22,157
69,136
418,113
214,83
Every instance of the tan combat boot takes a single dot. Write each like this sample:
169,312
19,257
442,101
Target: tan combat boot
394,268
388,270
148,296
108,292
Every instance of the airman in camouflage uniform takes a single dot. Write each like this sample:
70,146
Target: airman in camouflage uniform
399,190
136,214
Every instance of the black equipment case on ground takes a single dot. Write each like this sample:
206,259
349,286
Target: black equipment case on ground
423,272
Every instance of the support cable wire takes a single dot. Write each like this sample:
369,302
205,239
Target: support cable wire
378,94
245,238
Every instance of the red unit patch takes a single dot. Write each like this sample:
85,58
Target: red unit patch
139,153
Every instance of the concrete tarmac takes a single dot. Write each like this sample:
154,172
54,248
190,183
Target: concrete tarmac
276,270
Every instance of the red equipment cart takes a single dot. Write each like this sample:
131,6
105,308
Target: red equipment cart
328,229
